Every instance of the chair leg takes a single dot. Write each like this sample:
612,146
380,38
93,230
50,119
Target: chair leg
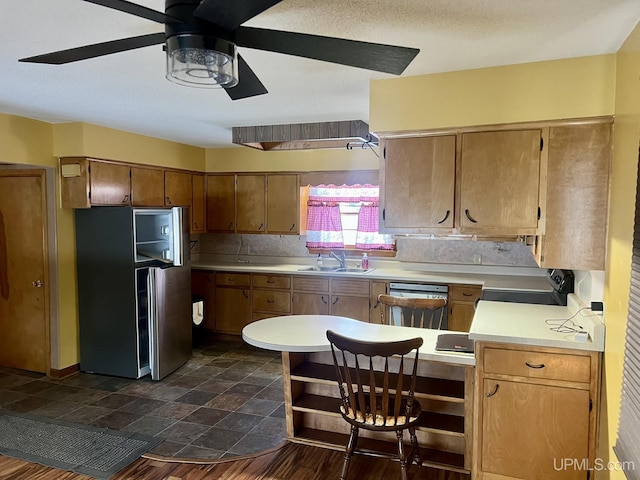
415,448
402,456
351,446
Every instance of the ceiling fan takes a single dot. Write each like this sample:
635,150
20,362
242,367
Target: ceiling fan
201,36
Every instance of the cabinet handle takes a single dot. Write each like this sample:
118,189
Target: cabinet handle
464,294
230,226
168,200
125,199
271,301
446,215
260,227
195,224
231,279
271,280
293,225
471,219
495,390
335,301
531,365
246,295
323,299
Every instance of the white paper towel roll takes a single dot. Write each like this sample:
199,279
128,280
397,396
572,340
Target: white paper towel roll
198,312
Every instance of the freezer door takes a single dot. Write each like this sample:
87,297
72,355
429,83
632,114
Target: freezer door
169,319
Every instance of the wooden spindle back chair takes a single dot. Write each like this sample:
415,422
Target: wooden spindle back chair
377,381
414,312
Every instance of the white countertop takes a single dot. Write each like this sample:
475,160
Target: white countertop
489,281
307,333
528,324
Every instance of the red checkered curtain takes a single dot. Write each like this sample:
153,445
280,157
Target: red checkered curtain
367,237
324,225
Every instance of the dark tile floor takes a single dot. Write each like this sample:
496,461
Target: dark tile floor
226,401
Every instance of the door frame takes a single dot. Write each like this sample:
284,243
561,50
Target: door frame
48,216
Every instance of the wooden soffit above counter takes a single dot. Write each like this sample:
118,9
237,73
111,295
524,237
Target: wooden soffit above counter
304,136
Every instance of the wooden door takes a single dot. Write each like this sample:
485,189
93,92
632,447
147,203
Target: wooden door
283,205
110,184
233,309
221,203
526,427
198,203
147,187
310,304
499,182
177,189
251,191
350,307
24,275
417,182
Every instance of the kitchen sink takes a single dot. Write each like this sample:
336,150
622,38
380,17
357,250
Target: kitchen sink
335,269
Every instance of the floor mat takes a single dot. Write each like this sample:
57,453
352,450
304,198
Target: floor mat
98,452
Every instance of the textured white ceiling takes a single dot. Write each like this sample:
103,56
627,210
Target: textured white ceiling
128,91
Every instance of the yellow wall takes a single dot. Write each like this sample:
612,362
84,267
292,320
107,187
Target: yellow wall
620,237
83,139
245,159
569,88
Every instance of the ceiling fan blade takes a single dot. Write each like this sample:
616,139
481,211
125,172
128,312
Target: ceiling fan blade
230,15
97,49
133,9
249,84
372,56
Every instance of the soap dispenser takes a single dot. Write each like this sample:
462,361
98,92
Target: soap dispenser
365,261
319,261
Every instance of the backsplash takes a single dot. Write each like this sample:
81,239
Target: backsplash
410,249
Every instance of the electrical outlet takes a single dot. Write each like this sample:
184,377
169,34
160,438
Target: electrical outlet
477,258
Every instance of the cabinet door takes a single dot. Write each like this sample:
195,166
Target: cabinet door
460,316
177,189
197,211
310,304
251,204
110,184
350,307
221,203
528,430
417,181
577,197
283,205
499,182
233,309
147,187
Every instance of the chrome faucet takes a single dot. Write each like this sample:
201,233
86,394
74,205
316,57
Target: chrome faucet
339,258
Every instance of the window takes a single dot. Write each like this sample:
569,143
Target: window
345,217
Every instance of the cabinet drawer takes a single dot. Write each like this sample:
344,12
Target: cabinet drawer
233,279
552,366
271,301
282,282
465,293
311,284
350,287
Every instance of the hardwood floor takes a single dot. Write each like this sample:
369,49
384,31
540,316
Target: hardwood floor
291,462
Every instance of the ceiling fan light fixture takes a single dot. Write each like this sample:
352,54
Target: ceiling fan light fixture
201,61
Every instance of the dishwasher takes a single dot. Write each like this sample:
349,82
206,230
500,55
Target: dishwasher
422,291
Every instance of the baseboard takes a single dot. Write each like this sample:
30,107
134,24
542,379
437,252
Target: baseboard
65,372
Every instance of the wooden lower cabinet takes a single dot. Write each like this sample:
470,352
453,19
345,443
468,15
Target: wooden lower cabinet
271,296
537,408
335,296
462,299
445,393
233,302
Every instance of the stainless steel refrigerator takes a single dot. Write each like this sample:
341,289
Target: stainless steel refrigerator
134,290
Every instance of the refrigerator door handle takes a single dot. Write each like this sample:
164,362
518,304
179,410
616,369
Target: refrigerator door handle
178,247
152,308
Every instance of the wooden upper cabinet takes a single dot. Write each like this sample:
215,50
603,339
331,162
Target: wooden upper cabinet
110,184
198,202
417,183
74,182
500,182
577,197
283,205
250,203
221,203
147,187
177,189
